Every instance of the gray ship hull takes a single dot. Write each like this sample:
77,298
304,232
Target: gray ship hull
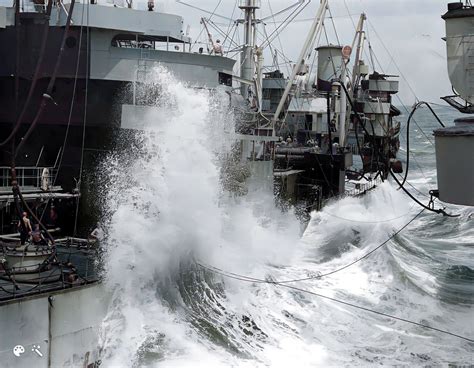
64,324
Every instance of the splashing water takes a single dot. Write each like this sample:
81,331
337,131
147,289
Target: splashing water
167,208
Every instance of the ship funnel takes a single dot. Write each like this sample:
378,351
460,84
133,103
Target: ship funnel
329,66
460,49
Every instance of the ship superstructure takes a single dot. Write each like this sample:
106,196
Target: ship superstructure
455,144
71,83
77,78
326,113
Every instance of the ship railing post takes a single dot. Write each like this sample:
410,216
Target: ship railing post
39,279
87,267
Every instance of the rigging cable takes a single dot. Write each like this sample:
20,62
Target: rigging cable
79,183
333,25
47,96
243,278
230,26
320,276
374,142
358,259
372,56
278,37
415,107
393,60
205,11
36,76
73,98
368,222
285,23
429,208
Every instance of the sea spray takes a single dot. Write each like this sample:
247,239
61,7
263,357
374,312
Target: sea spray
167,206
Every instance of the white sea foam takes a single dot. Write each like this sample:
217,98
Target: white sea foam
168,207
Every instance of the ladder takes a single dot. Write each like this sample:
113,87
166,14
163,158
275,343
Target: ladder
142,70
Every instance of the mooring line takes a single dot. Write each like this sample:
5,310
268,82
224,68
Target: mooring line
253,280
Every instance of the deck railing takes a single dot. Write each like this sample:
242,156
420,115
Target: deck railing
81,254
28,176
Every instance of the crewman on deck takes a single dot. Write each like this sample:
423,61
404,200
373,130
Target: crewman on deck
217,48
24,227
37,236
96,235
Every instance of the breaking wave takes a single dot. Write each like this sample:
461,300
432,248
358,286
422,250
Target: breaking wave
167,208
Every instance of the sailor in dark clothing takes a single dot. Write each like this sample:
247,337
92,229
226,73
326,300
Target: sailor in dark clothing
24,227
37,236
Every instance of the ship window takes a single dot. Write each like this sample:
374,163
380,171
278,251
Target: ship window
225,79
71,42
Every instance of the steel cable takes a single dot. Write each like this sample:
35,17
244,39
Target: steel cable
243,278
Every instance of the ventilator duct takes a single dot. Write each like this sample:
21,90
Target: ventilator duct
329,66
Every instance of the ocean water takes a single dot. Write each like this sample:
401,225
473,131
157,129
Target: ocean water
167,211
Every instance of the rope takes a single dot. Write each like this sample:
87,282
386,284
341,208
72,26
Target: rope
70,111
375,145
438,211
429,208
285,23
392,59
212,14
320,276
47,96
278,38
417,105
36,76
352,305
230,26
366,222
333,25
76,216
73,97
358,259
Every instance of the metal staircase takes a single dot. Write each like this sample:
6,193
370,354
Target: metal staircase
142,71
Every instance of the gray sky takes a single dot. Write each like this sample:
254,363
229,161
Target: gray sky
410,29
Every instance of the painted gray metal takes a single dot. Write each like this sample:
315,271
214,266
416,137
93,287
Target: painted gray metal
329,62
123,19
122,64
383,85
3,17
455,165
460,51
71,321
7,16
308,105
274,83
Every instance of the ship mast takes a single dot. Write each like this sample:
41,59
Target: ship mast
209,36
247,68
312,35
359,37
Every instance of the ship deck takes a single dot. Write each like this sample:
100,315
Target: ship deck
83,257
